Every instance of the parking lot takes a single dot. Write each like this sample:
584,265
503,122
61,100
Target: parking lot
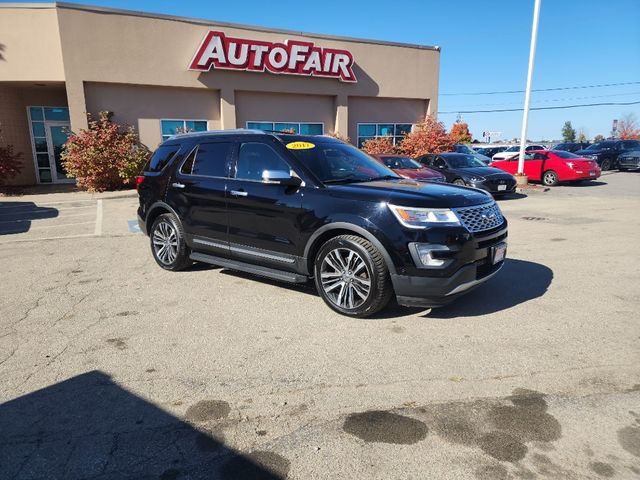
111,367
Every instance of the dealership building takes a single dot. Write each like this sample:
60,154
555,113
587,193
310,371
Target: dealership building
164,74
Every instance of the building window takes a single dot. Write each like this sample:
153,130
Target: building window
37,118
302,128
395,131
173,127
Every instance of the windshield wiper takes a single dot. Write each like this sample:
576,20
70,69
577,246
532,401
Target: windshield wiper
345,180
384,177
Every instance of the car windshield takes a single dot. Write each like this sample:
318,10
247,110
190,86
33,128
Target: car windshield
601,146
514,148
401,162
464,161
464,149
334,162
563,154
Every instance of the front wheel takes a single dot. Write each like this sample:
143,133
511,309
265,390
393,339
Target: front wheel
606,164
550,178
167,243
459,181
351,276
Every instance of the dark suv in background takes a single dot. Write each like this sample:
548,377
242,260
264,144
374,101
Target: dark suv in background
571,146
295,208
606,153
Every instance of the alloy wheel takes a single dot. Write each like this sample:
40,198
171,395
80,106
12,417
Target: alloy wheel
165,242
345,278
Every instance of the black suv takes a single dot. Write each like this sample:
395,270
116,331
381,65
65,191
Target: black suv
606,153
292,208
571,147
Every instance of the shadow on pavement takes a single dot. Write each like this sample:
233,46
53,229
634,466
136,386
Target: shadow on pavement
16,217
90,427
510,196
518,282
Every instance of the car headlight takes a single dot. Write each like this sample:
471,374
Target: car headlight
476,179
412,217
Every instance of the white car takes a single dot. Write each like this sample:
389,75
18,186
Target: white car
514,150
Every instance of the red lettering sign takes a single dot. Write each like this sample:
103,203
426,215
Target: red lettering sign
289,58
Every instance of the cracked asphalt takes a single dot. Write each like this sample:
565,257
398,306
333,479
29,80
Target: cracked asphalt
113,368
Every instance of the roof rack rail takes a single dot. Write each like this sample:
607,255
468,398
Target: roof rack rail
231,131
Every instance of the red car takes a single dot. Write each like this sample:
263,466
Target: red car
552,167
408,168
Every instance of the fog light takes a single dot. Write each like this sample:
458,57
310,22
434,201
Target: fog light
423,255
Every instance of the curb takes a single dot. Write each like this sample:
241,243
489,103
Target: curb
532,189
114,195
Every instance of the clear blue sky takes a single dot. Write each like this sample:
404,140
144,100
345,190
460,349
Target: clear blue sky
485,47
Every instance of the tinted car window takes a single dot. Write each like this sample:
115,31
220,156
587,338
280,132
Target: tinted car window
562,154
400,162
439,163
602,145
255,158
187,166
161,157
212,159
630,144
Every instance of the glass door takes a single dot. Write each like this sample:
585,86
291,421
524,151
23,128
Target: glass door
57,135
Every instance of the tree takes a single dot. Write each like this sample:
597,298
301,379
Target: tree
568,132
628,127
10,161
106,156
582,137
378,146
429,136
460,133
598,138
339,136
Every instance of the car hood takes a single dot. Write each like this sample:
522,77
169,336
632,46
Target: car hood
632,153
410,193
418,173
481,171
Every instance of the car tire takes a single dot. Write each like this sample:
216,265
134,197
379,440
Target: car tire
168,243
605,165
459,181
550,178
352,277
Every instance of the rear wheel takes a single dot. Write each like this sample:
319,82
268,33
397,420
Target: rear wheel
606,164
550,178
167,243
352,277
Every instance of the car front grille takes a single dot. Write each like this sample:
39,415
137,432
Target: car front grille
481,217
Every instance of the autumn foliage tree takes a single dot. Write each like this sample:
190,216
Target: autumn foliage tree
105,156
628,128
460,133
378,146
339,136
10,161
429,136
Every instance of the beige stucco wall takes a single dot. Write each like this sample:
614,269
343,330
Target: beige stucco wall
257,106
14,100
30,45
144,106
122,47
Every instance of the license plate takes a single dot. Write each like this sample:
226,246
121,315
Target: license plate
499,252
593,174
502,187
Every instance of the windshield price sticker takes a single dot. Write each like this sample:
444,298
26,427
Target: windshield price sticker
300,146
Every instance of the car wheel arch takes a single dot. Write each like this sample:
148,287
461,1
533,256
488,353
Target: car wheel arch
156,210
323,234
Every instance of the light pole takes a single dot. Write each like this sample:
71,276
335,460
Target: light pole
527,94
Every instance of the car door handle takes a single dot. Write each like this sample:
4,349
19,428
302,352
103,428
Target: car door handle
238,193
178,185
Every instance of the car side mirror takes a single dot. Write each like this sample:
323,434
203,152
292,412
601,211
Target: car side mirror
280,177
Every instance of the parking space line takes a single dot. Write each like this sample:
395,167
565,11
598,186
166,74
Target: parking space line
98,229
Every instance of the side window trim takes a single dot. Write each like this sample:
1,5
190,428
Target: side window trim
193,152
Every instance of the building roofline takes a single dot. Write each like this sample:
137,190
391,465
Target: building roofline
204,22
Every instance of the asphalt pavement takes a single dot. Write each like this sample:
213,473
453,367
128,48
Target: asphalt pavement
111,367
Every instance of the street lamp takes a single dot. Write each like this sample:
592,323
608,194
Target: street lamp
527,94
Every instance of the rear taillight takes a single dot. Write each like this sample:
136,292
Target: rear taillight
139,181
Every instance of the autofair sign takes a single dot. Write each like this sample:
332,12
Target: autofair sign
289,58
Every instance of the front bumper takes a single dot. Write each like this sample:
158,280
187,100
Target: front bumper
494,187
629,163
436,291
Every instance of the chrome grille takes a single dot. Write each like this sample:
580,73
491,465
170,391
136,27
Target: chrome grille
481,217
